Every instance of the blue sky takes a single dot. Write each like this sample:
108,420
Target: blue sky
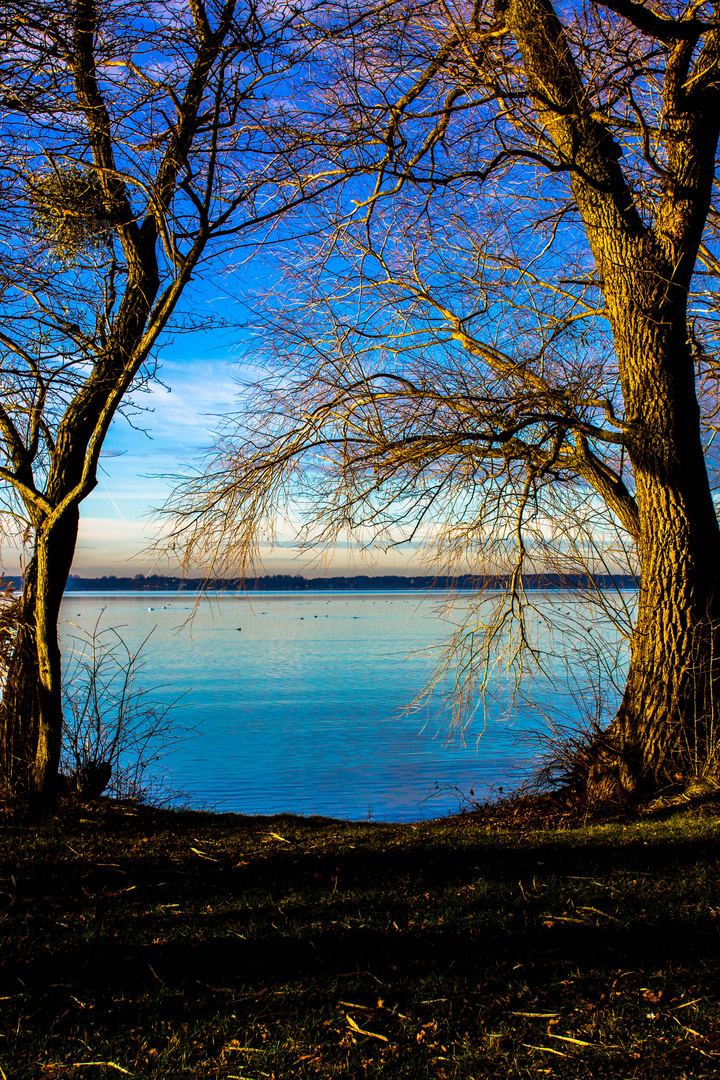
200,373
200,378
116,520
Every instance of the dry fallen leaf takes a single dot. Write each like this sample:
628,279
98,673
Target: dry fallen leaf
203,855
547,1049
361,1031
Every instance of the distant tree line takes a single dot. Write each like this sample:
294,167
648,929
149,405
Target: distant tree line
358,582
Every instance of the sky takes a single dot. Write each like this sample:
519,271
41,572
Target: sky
200,376
199,383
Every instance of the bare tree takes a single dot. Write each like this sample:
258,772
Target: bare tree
143,143
511,318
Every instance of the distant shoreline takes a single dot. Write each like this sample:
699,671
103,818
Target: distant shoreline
355,583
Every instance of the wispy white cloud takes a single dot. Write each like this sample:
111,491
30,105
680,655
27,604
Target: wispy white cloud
174,429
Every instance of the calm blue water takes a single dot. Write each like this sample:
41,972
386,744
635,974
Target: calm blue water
302,709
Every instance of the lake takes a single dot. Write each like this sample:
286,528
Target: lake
300,702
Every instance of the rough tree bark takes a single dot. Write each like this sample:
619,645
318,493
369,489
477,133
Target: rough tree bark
31,712
664,724
663,730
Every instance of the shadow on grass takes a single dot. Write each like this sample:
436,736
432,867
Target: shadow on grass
293,914
173,942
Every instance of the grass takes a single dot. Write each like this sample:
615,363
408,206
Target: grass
169,945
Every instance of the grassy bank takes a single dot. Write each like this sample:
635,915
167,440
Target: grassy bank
163,945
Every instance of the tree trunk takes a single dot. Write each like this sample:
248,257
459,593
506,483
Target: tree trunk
666,728
31,708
